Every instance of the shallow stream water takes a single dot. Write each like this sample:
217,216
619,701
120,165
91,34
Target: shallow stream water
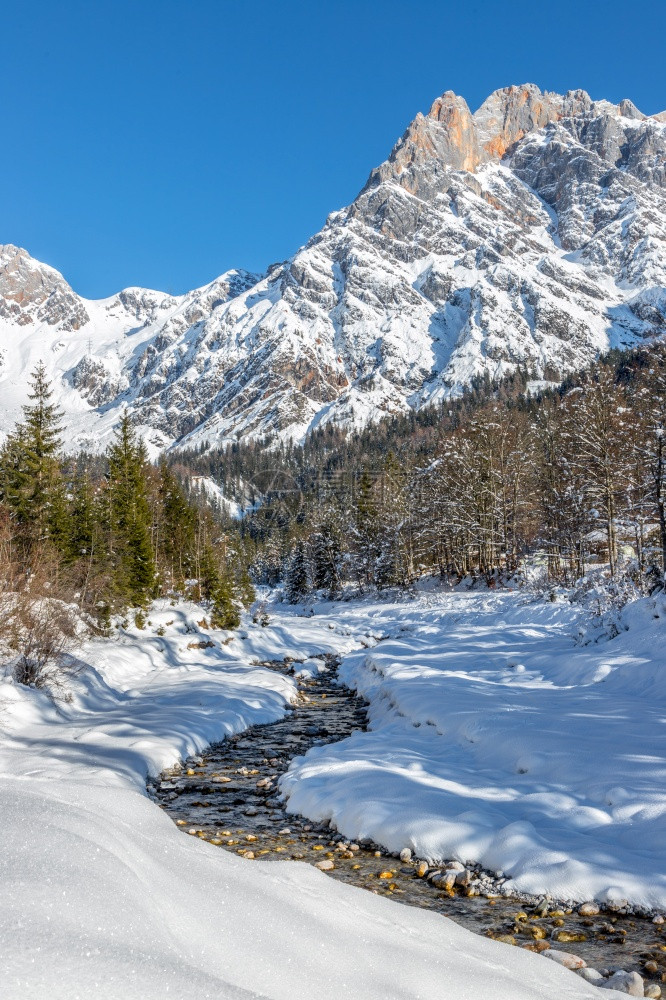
228,796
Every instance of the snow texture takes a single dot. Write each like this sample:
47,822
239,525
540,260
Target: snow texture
102,896
496,737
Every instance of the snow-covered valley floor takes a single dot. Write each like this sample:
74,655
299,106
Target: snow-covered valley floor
493,737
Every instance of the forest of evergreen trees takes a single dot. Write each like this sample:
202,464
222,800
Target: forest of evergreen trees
571,476
575,475
105,535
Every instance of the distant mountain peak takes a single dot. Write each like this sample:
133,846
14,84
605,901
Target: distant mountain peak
529,234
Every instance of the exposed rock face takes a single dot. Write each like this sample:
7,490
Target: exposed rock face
531,233
32,292
508,115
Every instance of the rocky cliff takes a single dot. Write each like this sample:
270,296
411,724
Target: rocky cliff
530,233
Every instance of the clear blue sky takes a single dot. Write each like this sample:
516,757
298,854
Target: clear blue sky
159,143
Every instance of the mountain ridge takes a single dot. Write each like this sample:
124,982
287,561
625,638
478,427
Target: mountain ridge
531,233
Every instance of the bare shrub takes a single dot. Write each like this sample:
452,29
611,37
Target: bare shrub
44,630
39,624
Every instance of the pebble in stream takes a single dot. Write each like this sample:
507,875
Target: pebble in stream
228,796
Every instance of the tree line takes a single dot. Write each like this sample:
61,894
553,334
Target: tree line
109,534
569,475
572,476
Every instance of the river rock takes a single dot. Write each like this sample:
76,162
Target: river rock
625,982
422,868
326,865
590,976
565,958
454,866
614,905
653,991
464,877
446,881
588,909
568,937
405,855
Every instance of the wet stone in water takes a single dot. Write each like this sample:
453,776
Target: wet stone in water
229,796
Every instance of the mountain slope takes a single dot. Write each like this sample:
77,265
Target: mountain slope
531,233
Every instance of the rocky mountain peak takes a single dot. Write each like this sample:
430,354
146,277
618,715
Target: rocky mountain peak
30,290
629,110
450,136
529,234
511,113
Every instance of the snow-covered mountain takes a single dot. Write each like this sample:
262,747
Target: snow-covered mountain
531,233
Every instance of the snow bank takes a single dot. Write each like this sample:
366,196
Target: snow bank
496,738
101,896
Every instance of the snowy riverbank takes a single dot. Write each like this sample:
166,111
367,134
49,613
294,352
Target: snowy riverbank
495,737
102,896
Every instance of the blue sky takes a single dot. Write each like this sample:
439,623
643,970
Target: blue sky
158,143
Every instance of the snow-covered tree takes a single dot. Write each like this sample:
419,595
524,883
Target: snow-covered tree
297,579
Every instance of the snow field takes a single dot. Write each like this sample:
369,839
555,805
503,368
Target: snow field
102,896
495,738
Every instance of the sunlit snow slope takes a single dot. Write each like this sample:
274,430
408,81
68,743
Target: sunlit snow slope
530,234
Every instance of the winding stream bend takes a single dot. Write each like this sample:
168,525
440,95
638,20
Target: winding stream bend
228,796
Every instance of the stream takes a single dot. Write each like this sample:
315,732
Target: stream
229,797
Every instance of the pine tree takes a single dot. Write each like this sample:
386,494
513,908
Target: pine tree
176,529
82,519
129,517
326,559
216,587
31,483
245,587
297,582
14,481
42,445
225,612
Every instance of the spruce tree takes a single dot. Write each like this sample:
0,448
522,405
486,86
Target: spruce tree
31,483
216,587
297,583
177,529
129,517
42,445
326,559
83,518
225,613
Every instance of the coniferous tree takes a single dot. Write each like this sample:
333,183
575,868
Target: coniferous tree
326,558
177,527
129,517
297,582
225,613
216,587
31,483
42,446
